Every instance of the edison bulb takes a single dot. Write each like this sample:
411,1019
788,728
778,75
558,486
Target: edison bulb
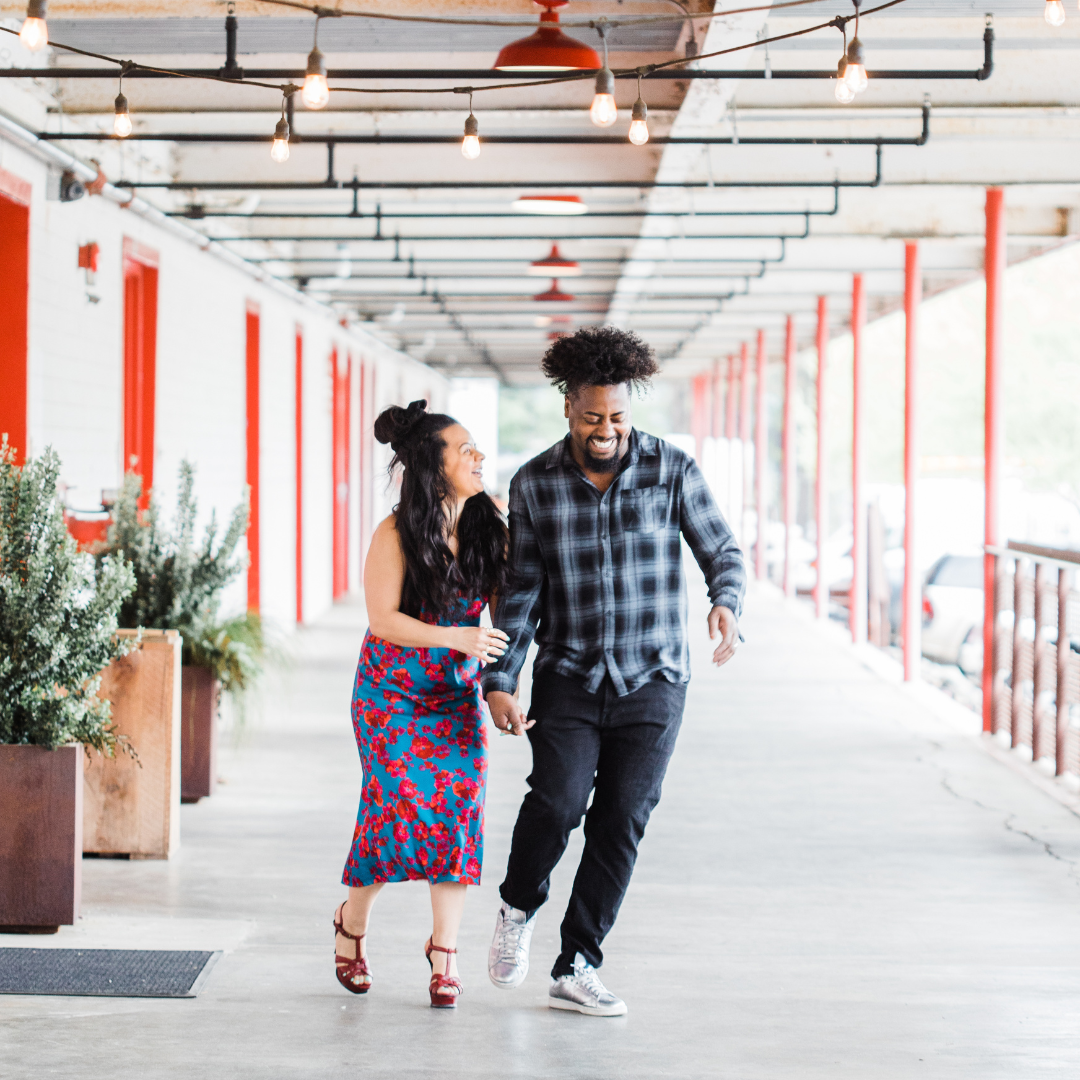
279,150
639,132
34,34
121,119
603,111
844,94
316,92
855,78
1053,13
470,147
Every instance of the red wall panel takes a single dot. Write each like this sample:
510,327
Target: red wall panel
251,367
140,361
14,298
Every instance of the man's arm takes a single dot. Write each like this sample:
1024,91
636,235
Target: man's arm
716,552
516,613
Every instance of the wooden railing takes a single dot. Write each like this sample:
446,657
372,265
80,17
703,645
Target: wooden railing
1036,655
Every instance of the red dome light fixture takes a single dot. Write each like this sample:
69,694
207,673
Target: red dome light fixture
555,205
554,294
549,49
554,265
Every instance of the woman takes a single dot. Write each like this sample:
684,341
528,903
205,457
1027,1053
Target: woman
432,566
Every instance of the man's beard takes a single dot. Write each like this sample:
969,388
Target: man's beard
596,464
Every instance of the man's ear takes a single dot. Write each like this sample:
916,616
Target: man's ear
566,406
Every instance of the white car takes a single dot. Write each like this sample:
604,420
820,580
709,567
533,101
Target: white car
952,608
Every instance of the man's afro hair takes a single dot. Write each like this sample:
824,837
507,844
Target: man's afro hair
599,356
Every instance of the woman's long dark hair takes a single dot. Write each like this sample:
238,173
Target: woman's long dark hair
433,577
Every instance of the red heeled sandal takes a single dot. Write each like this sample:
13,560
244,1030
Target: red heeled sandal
351,971
444,989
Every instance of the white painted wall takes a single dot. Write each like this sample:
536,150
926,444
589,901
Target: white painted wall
76,385
474,403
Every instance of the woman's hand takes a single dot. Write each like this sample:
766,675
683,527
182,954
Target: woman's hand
482,642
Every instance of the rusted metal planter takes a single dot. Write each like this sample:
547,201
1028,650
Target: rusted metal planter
133,807
199,696
41,819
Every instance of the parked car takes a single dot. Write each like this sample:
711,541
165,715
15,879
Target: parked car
952,608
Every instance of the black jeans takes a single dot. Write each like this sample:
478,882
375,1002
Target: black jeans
581,741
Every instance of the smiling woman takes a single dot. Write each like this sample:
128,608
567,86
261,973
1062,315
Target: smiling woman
432,567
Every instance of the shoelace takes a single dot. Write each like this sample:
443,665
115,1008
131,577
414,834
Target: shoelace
588,978
511,940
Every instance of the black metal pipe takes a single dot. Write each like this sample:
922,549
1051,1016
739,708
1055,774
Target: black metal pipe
548,237
474,76
231,70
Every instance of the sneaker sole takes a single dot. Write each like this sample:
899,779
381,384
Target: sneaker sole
587,1010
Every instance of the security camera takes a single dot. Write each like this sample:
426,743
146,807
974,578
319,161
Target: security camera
71,187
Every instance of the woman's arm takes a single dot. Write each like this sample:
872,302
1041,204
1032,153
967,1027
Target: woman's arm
384,576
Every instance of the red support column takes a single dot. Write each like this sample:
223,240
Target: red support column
821,509
995,427
744,441
140,267
698,416
912,613
730,431
857,601
299,396
761,461
788,436
251,366
717,401
14,305
341,368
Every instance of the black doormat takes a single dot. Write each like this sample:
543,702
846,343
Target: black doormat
105,972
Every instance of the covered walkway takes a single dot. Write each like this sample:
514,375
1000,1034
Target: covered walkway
837,883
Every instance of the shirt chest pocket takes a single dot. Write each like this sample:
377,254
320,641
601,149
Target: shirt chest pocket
644,509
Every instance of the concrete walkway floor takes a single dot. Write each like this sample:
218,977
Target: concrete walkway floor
836,884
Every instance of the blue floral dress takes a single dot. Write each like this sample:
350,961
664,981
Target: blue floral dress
419,726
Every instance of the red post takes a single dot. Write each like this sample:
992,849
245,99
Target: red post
15,291
299,396
251,366
717,401
732,434
857,601
698,416
761,460
912,611
744,439
821,509
788,450
995,427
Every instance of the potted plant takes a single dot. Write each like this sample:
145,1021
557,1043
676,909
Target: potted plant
178,587
58,617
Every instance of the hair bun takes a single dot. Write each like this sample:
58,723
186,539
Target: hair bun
395,425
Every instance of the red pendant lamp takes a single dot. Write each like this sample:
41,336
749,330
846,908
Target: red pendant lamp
549,49
553,205
555,265
554,294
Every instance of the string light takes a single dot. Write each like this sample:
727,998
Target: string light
470,145
316,92
855,70
1054,12
279,148
121,118
639,128
844,94
34,34
604,112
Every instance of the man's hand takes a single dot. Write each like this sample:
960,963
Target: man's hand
507,714
722,621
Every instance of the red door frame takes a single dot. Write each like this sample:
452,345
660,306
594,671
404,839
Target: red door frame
14,308
251,373
299,392
140,265
342,381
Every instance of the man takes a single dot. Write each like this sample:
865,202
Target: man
596,577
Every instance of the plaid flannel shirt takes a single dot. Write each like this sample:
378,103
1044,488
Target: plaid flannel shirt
598,578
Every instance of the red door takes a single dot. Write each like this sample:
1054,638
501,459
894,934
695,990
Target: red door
251,367
342,376
140,360
14,295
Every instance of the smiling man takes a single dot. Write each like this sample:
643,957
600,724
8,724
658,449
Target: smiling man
596,577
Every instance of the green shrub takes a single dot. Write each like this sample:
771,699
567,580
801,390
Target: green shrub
58,615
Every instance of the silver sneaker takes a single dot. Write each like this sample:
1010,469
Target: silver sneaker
508,957
583,992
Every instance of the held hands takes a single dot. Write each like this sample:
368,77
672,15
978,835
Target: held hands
486,644
722,621
507,714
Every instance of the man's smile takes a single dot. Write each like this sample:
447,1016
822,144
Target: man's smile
602,446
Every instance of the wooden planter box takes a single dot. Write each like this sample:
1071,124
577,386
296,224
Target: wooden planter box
198,733
41,823
133,808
